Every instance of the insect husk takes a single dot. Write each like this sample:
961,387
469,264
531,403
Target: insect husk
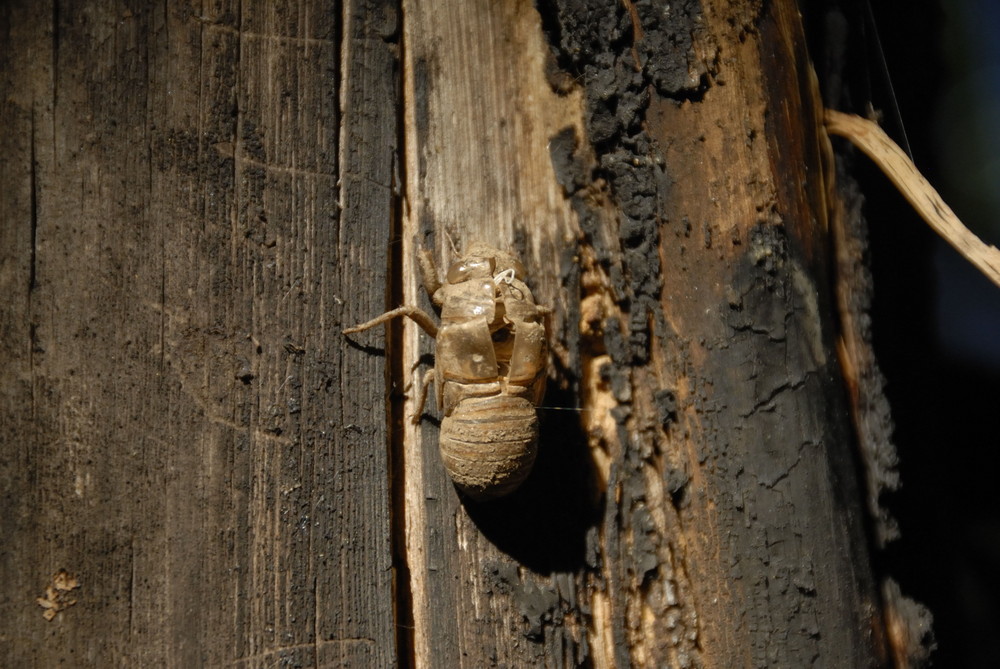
489,371
488,444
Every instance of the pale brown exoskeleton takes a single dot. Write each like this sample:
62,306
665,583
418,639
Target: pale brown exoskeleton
489,372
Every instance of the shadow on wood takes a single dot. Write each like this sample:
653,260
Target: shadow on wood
543,525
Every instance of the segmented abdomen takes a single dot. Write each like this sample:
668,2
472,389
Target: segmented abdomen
488,444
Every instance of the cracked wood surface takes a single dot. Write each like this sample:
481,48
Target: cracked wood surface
702,509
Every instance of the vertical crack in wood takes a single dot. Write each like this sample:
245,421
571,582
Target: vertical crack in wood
33,177
55,67
34,208
397,434
238,123
402,593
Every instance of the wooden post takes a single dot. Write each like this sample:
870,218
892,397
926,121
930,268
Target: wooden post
196,201
702,508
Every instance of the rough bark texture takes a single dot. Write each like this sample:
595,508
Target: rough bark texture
190,196
714,518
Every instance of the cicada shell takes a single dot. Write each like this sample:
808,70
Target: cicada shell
489,373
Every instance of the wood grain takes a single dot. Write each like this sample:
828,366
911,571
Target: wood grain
478,119
196,200
195,191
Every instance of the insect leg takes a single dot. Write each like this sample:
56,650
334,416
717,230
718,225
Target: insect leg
415,314
422,398
429,275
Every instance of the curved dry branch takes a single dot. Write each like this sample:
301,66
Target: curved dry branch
870,138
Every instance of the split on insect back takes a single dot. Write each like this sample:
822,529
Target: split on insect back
490,368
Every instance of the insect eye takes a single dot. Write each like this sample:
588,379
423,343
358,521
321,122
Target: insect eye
469,268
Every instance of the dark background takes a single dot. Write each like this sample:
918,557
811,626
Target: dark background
936,319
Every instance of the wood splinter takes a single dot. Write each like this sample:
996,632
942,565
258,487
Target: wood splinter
872,140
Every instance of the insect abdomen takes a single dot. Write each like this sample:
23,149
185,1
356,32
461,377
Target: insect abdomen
488,444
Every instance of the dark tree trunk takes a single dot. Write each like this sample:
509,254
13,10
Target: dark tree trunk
197,200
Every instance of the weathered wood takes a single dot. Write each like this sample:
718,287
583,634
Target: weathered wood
703,510
194,203
492,584
190,195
